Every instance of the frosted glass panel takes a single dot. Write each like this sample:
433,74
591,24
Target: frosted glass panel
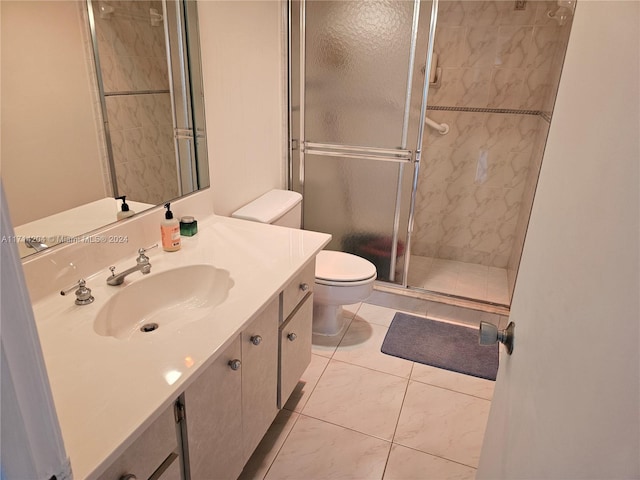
357,59
353,200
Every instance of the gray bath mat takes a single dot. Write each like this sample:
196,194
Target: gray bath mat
440,344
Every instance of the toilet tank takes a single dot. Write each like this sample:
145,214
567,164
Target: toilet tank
278,207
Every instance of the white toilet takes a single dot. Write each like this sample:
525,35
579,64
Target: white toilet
341,278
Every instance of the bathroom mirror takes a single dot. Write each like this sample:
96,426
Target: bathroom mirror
100,99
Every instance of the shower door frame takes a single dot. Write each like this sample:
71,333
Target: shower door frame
401,156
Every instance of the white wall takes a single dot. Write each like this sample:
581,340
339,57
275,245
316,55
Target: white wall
566,403
31,441
243,61
44,69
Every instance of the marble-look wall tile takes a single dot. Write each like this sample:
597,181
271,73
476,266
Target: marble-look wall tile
471,185
513,45
506,87
527,197
480,43
480,13
132,51
517,46
510,16
143,149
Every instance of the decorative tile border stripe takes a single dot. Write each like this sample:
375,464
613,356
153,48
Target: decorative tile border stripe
546,116
486,110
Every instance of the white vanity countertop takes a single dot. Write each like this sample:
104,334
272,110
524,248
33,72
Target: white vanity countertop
107,390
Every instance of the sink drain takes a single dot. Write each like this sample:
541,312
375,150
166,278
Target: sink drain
149,327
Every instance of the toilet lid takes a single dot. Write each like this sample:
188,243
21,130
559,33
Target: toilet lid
343,267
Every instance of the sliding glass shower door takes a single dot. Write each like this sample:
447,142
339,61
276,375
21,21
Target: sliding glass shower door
355,104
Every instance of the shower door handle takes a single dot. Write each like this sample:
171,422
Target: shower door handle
359,152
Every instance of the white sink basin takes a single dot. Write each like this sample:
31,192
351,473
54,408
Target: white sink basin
183,294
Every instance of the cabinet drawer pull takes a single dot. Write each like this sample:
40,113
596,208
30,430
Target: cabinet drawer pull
292,336
256,339
235,364
128,476
304,287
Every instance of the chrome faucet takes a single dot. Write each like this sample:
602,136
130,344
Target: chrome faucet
142,265
35,243
83,293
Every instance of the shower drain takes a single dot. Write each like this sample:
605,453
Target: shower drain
149,327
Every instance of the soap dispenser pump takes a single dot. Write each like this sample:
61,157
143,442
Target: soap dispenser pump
124,211
170,231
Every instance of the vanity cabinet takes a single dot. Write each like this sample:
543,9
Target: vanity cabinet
153,455
213,411
231,405
295,331
227,410
295,348
259,377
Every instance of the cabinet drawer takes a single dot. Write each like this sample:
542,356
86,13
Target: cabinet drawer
148,452
295,349
297,288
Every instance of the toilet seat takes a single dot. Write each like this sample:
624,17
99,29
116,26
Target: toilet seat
340,268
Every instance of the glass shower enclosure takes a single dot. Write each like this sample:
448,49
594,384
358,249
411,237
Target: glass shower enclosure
362,97
417,130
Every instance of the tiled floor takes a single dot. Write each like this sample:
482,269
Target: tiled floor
360,414
468,280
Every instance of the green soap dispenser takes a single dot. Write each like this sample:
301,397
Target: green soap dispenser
124,209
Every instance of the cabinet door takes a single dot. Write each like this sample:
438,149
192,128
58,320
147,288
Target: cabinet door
148,451
295,348
259,377
214,422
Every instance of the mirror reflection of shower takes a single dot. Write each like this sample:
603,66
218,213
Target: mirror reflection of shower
107,11
141,52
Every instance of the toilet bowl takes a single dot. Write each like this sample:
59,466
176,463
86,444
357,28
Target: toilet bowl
341,278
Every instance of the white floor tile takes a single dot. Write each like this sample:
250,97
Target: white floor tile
267,449
478,387
325,345
376,314
358,398
443,423
407,464
317,450
361,346
307,383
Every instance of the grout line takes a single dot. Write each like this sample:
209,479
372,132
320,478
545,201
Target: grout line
373,369
454,391
434,455
314,387
395,430
282,445
351,429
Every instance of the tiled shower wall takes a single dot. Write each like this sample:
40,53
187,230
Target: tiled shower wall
133,58
477,182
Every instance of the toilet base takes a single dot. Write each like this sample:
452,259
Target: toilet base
327,319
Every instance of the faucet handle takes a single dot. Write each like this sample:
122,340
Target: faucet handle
142,258
113,271
83,293
142,251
